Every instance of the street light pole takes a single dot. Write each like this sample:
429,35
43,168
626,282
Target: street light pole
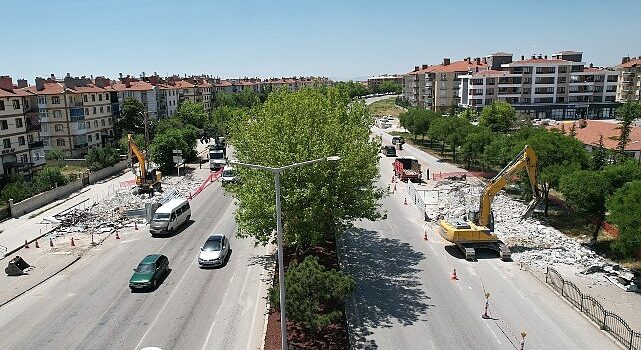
279,235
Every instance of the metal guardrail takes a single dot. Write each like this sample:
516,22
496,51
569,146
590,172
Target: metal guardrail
415,197
608,321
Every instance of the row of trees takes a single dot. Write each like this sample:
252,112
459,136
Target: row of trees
356,89
18,189
593,183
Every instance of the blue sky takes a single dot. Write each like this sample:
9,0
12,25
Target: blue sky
339,39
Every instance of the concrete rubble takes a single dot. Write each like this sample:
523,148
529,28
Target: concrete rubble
110,213
531,241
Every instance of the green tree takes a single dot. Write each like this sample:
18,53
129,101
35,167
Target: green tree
17,189
224,99
439,131
599,155
586,191
132,117
317,200
164,143
476,140
99,158
389,86
470,114
353,89
624,208
627,113
498,117
54,154
48,178
458,129
315,296
191,113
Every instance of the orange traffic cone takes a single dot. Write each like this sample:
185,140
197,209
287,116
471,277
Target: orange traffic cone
37,245
425,234
26,244
117,237
405,203
50,242
73,244
135,225
454,277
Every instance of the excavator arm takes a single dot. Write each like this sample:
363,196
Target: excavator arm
525,160
141,158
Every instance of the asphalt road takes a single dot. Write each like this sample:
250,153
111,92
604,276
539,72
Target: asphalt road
405,297
89,306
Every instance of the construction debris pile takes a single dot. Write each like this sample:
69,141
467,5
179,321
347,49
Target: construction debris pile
530,241
120,207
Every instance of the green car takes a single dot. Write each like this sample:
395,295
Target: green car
149,272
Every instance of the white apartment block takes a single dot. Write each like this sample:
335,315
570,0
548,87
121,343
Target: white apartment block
142,91
560,87
629,84
22,151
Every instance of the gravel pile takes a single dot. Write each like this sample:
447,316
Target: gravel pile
530,240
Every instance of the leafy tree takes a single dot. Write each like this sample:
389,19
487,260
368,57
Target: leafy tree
627,113
123,143
317,200
417,121
315,296
99,158
599,155
458,130
353,89
54,154
439,131
17,189
223,98
47,178
476,140
164,143
586,191
499,116
621,173
402,102
470,114
388,86
624,208
132,117
191,113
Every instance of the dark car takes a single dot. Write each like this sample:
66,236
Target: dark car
389,151
149,272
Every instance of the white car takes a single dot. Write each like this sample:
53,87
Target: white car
228,175
215,251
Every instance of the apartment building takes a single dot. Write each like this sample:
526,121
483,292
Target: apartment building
374,82
629,83
75,113
560,87
437,87
168,98
141,90
22,151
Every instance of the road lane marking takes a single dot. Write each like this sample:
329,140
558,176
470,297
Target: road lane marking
222,302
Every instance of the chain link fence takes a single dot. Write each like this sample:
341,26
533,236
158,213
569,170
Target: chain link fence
607,321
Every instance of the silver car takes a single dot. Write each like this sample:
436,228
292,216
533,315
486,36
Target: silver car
215,251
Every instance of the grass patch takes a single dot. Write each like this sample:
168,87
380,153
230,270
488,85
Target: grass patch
386,107
73,171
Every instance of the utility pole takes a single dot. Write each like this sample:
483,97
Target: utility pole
145,114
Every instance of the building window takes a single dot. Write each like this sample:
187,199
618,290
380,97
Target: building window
55,100
57,114
16,104
18,122
102,109
108,109
95,123
86,111
97,136
70,99
90,138
21,141
110,122
84,97
30,138
100,97
6,143
4,125
60,142
103,122
107,97
94,110
87,124
93,98
45,127
1,105
59,127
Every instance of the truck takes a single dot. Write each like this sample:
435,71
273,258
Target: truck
407,168
476,229
216,159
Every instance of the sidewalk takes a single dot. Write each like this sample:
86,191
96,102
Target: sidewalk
15,231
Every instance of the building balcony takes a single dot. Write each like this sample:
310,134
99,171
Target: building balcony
81,145
33,127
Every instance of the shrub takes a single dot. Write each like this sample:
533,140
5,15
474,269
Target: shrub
314,296
99,158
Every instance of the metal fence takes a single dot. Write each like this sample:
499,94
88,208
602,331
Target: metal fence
607,321
415,197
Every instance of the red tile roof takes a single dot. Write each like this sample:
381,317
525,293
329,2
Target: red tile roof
589,135
457,66
50,88
15,93
632,63
133,86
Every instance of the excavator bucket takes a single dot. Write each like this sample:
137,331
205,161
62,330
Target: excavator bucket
530,208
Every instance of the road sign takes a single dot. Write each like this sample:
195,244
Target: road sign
178,156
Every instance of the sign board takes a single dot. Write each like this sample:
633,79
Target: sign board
178,156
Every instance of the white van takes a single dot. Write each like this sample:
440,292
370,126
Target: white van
170,216
228,175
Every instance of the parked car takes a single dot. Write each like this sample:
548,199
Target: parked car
215,251
389,151
149,272
228,175
170,216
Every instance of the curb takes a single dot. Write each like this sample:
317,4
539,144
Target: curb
272,250
41,282
28,242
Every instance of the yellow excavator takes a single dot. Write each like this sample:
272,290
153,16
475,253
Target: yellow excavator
477,229
147,179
